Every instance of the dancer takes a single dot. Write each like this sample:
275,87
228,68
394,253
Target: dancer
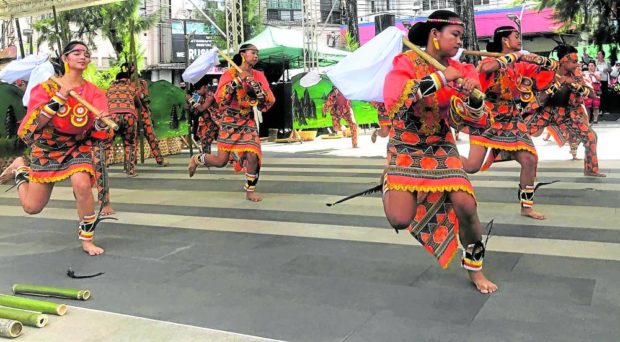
122,100
340,108
509,82
206,110
236,95
425,187
60,133
147,123
564,114
384,122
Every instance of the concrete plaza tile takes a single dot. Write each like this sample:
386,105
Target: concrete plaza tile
547,287
569,267
386,326
141,248
384,271
35,243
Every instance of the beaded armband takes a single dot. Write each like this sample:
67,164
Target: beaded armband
53,105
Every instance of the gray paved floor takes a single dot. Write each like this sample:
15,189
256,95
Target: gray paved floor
287,287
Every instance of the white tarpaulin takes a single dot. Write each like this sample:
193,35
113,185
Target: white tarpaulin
361,75
20,69
28,8
201,66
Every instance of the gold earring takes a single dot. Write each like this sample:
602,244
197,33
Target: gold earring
66,67
242,59
436,43
507,44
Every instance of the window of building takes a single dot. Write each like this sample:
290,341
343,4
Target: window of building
326,7
441,4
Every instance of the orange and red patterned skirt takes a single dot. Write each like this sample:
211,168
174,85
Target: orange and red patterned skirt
238,133
56,156
430,167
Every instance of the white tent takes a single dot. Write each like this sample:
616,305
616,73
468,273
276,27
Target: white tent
27,8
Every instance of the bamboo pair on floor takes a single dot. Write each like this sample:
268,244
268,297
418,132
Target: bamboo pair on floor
13,316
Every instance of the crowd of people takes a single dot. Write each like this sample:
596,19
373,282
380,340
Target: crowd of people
500,103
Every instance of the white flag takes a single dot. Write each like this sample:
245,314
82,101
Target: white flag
39,74
20,69
361,75
201,66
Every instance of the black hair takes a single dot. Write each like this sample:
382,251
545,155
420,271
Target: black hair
591,62
122,75
418,33
501,32
71,45
563,50
237,57
603,52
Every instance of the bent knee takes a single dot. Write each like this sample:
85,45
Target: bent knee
399,221
32,209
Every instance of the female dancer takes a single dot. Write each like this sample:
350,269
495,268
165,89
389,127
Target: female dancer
425,187
236,95
509,83
61,132
564,114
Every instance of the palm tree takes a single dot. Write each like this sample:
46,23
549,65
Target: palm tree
111,20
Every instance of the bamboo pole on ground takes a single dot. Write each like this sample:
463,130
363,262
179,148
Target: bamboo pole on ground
29,318
10,328
33,305
51,291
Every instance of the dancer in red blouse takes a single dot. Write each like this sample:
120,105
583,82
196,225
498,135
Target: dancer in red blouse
61,132
425,187
236,95
509,83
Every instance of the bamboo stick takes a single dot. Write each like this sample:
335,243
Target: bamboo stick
29,318
476,93
33,305
108,121
482,53
10,328
51,291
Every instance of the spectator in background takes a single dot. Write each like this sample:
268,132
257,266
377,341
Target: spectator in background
585,57
593,79
603,67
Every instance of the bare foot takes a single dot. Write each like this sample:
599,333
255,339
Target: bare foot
132,175
483,284
575,157
192,166
9,173
253,196
90,248
107,210
373,137
163,163
530,212
594,174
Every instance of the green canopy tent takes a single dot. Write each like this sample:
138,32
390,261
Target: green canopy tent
282,49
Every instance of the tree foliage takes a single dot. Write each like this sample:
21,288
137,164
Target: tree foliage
111,21
252,20
598,18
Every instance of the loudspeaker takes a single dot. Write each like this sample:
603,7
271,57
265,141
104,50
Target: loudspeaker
384,21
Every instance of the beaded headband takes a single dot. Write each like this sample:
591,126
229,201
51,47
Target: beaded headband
76,49
446,21
249,48
507,30
573,55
